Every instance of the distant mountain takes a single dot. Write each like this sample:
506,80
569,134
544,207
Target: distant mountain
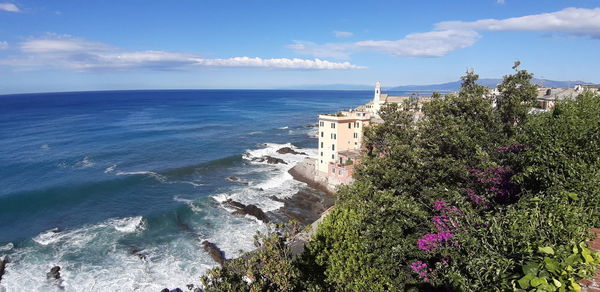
442,87
490,82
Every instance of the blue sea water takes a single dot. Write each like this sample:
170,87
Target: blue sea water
88,178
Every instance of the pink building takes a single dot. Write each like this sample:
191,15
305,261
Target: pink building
342,170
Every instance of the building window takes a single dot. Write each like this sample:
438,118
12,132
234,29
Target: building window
321,134
356,124
340,172
333,125
321,153
321,124
341,162
321,161
349,125
355,143
333,170
355,135
321,144
333,147
332,156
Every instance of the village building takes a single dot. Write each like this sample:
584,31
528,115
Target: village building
341,135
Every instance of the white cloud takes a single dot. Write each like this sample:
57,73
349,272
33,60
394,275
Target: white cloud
9,7
427,44
55,51
576,21
329,50
342,34
3,45
453,35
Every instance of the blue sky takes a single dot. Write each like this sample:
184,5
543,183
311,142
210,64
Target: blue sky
100,45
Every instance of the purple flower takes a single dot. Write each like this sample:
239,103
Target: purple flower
421,269
439,205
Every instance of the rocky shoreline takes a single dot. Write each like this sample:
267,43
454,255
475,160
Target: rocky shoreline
308,206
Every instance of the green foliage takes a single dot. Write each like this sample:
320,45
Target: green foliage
517,96
426,211
270,268
556,271
564,146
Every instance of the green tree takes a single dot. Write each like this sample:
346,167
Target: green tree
517,97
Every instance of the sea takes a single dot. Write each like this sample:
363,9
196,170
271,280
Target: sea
119,188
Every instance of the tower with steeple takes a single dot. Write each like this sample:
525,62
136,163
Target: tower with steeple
377,97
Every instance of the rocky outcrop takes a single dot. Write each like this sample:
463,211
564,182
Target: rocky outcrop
54,273
269,160
236,179
251,210
288,150
214,251
3,263
136,251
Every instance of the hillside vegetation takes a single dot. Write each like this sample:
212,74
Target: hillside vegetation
470,198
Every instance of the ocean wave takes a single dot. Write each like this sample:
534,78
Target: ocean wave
110,169
188,202
7,247
86,162
152,174
48,237
128,225
283,128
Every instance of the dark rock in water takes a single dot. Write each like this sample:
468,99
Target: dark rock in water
54,273
134,250
236,179
311,126
190,286
276,199
269,160
251,210
165,290
214,251
3,263
234,204
288,150
176,290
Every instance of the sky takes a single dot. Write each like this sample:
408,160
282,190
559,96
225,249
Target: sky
76,45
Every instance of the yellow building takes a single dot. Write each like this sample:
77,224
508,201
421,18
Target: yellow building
343,132
339,132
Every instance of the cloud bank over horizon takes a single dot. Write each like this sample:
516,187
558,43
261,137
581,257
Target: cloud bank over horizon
448,36
78,54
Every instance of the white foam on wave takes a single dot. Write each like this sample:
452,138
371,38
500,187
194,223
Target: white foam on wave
45,147
188,202
283,128
195,184
7,247
152,174
110,169
86,162
277,181
128,225
48,237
